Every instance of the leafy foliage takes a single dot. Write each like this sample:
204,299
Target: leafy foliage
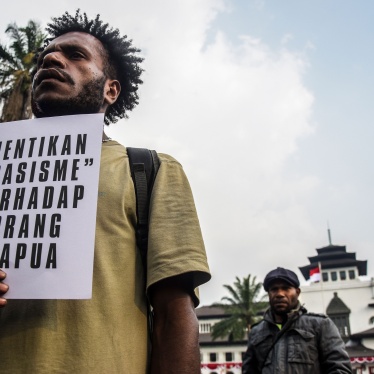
16,65
243,308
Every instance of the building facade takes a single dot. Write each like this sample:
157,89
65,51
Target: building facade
218,356
346,294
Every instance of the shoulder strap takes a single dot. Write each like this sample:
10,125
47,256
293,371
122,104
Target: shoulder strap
144,165
280,333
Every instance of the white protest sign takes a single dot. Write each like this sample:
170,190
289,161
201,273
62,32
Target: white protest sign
49,174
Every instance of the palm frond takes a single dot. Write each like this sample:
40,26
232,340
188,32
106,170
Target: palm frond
16,65
243,307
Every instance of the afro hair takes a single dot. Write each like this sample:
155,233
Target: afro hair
122,61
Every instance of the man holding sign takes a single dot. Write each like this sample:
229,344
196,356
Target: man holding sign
86,67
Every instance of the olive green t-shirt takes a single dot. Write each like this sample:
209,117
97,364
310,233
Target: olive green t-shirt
108,334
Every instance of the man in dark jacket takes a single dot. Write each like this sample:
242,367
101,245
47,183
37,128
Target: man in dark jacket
291,340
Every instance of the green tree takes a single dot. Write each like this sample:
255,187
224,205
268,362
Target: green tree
16,65
243,308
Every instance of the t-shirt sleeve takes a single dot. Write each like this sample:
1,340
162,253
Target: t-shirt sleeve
175,243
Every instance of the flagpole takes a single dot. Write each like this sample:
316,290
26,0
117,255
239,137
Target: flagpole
322,290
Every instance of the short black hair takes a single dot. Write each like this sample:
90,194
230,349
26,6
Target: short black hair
122,61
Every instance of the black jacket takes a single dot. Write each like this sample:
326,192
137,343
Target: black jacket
309,344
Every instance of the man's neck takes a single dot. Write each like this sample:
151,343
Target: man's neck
282,318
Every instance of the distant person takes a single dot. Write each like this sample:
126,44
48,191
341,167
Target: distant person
87,67
291,340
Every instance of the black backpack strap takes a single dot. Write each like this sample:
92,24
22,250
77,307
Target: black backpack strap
144,165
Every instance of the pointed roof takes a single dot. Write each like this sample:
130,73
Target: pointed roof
334,257
337,306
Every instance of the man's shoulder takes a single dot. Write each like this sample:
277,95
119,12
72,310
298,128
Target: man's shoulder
261,331
163,157
167,158
314,319
315,315
257,324
260,325
114,146
264,322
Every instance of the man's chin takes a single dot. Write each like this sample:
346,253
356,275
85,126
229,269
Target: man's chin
46,109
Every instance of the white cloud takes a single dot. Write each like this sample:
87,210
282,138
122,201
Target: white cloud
233,113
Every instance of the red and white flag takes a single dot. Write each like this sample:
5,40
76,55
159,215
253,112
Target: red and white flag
315,274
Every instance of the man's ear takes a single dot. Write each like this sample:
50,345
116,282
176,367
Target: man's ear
298,291
111,91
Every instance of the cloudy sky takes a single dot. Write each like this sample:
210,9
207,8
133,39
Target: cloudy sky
267,104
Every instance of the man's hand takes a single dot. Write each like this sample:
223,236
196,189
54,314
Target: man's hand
175,341
3,289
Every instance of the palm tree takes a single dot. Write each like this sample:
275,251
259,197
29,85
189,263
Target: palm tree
244,308
16,65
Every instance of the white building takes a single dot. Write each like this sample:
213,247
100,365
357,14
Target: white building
346,295
219,356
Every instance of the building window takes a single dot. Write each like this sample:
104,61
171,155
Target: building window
213,357
228,356
325,276
371,369
243,354
371,320
343,275
205,328
334,276
351,274
342,323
